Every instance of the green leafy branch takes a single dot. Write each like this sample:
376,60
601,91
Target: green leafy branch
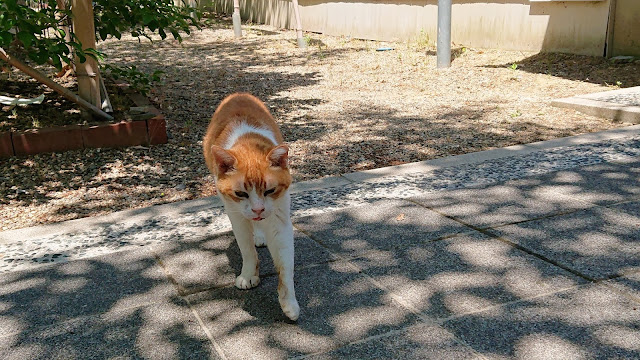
37,29
137,80
143,17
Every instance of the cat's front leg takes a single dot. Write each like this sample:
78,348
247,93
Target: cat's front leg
281,248
243,231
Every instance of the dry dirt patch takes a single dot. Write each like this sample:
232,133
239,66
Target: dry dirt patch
342,106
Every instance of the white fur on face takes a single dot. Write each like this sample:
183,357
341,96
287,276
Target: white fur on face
255,201
244,128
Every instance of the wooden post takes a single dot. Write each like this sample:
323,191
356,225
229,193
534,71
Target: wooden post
88,72
296,11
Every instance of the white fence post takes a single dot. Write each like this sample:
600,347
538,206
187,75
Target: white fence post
237,29
296,11
444,34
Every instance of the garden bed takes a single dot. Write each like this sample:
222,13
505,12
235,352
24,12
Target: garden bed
58,125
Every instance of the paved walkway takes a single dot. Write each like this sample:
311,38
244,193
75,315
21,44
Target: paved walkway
530,251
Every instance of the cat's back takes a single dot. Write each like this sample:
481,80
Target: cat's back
239,112
238,109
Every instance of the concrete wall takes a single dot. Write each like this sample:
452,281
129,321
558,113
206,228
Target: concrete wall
561,26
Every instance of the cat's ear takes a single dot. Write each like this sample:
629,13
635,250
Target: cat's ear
225,161
279,156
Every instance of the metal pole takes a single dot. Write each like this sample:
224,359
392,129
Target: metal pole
237,29
296,11
444,34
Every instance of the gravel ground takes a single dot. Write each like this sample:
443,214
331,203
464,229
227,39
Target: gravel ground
342,107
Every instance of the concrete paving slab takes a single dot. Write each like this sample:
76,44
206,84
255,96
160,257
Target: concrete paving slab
317,184
599,242
409,266
620,105
383,225
588,322
415,342
55,293
21,251
462,274
338,306
601,184
629,207
28,248
629,285
199,265
162,330
509,202
116,306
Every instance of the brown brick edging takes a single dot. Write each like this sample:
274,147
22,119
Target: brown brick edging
72,137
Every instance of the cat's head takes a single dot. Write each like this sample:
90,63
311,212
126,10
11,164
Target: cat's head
252,181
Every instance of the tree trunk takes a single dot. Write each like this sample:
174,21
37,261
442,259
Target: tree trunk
88,72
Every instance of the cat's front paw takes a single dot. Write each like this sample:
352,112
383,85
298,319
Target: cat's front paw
243,282
290,308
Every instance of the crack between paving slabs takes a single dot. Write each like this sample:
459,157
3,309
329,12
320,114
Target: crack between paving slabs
181,292
485,230
425,319
231,284
508,242
204,327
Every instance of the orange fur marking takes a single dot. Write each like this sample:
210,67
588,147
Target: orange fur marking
251,162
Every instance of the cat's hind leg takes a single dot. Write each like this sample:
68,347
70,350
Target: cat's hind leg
258,236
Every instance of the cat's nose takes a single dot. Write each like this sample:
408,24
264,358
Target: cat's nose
258,211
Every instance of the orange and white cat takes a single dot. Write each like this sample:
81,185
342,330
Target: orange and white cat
243,148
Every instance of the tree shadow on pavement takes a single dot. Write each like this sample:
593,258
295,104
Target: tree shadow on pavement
507,269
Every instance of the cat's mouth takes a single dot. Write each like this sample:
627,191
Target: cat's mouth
257,218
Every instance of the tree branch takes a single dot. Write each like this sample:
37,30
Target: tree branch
40,77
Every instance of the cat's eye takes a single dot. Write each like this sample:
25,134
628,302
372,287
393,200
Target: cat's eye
242,194
269,192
